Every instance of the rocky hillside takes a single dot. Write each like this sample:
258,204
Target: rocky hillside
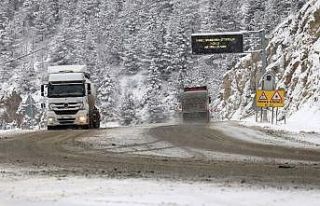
293,56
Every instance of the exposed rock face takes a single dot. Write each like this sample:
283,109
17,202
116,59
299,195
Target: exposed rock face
10,106
293,56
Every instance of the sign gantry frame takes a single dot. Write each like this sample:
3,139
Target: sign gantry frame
233,42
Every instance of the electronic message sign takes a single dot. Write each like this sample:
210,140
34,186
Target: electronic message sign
217,43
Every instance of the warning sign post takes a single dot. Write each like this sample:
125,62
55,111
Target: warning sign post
273,98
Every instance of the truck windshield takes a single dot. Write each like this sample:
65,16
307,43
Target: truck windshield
66,90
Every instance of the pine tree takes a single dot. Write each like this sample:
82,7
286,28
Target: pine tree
107,97
29,111
128,107
154,96
46,19
67,47
6,47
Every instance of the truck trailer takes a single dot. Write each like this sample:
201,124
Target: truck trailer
71,98
195,105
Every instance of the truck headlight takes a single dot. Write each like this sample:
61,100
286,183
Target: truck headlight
51,120
82,119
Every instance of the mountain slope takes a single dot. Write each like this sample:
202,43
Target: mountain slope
293,56
138,51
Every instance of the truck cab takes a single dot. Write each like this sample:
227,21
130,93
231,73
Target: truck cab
70,98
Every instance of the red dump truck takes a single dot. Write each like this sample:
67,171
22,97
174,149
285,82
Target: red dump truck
195,104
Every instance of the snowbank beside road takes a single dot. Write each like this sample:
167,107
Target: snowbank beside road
33,190
5,134
266,133
306,120
301,129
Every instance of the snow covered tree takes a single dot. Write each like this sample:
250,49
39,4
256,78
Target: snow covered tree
46,19
154,96
6,47
128,113
107,96
29,111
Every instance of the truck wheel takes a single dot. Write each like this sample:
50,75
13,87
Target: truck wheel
85,127
96,125
50,127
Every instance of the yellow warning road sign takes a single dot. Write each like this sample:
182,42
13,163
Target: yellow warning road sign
263,97
273,98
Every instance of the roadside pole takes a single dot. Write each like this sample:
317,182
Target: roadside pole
264,60
263,55
277,110
263,52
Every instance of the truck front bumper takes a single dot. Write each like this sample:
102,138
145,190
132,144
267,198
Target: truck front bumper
80,118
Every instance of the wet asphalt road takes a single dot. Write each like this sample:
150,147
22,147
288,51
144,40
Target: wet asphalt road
63,152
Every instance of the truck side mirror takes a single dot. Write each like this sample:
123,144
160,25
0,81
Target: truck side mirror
210,100
42,90
89,88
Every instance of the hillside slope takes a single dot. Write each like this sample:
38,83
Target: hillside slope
138,51
293,56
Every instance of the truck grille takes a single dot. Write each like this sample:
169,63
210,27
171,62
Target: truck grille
62,106
67,112
66,120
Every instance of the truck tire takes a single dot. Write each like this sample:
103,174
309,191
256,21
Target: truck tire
51,127
95,118
96,125
85,127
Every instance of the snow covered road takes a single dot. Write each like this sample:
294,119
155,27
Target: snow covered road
218,164
18,187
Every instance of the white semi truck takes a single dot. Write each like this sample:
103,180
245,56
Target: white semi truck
70,97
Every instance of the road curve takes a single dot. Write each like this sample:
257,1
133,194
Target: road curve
205,138
63,152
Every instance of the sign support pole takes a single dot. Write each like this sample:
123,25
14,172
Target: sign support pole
263,52
277,110
264,65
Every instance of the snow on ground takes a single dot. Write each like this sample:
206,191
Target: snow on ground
302,129
32,190
269,134
134,140
110,125
307,119
5,134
